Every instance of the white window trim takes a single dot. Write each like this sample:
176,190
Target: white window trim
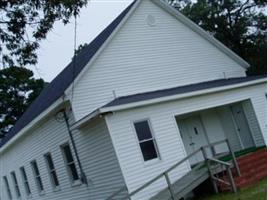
73,182
15,184
152,161
8,189
41,192
50,172
25,182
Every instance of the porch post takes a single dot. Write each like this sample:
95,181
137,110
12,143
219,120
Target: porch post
214,184
233,157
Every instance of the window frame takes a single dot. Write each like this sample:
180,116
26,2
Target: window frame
8,189
38,178
15,184
52,171
153,139
67,165
25,180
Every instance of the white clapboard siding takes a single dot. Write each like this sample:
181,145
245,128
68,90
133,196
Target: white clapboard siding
226,118
95,150
143,58
253,123
169,142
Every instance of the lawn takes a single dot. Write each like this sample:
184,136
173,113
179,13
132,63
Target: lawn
255,192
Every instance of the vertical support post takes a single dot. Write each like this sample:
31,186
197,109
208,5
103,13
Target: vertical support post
233,157
169,186
214,184
231,179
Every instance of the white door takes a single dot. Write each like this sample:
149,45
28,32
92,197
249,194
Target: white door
193,135
242,126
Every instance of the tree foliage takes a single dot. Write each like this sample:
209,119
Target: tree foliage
18,89
240,24
24,23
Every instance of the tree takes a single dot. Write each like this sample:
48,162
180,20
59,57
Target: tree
240,24
18,89
23,24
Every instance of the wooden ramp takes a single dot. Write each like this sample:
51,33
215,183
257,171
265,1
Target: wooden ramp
184,185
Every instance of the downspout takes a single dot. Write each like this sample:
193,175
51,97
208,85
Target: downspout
83,177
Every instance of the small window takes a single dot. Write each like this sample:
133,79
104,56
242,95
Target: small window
16,185
70,162
37,176
51,170
146,140
25,181
9,195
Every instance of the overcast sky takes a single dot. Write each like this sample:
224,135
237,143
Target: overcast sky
57,50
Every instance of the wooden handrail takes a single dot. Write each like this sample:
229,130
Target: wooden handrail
165,173
122,189
229,172
219,161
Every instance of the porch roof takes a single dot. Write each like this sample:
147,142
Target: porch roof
182,90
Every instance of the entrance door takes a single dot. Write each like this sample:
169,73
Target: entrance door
194,137
242,126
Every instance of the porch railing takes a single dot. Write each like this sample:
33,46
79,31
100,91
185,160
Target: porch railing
208,162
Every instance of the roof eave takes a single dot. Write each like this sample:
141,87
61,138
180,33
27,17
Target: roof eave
56,105
178,96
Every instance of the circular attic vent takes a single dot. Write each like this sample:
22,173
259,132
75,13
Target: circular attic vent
151,20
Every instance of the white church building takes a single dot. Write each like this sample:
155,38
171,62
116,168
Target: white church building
150,90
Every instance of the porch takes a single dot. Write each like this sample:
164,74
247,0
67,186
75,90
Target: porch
220,130
235,122
177,127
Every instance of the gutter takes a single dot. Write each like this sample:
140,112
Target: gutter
178,96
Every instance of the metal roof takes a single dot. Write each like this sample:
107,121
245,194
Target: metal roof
58,86
181,90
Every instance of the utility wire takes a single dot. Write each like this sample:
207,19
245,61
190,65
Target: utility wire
74,62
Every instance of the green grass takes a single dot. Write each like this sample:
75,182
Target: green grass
255,192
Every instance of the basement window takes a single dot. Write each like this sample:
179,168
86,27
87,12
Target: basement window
146,140
51,170
37,176
9,195
25,181
70,164
16,185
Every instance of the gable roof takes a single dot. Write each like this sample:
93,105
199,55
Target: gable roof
58,86
194,27
63,81
181,90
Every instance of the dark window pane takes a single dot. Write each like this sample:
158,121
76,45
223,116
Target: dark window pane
148,150
50,162
35,168
16,184
143,130
25,180
68,154
55,179
8,188
40,184
74,172
27,187
37,176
